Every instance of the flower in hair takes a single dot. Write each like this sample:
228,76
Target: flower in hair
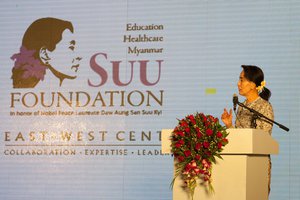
261,87
31,66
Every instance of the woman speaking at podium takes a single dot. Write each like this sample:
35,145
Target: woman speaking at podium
251,85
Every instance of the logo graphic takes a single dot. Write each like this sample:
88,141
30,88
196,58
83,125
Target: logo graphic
47,52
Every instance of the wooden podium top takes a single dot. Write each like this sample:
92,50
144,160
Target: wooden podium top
241,141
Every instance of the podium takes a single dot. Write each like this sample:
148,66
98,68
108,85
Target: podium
243,172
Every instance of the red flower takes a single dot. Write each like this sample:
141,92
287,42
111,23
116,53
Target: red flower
207,124
179,133
191,117
178,145
199,135
180,158
206,145
219,134
197,146
183,123
219,145
197,157
208,153
187,153
188,167
209,132
187,130
224,141
204,118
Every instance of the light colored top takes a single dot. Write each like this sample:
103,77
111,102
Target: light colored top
244,116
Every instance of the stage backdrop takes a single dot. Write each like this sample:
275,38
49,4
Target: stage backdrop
87,86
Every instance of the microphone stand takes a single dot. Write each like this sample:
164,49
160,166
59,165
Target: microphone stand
256,115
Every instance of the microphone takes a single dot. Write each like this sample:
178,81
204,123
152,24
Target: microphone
256,114
235,101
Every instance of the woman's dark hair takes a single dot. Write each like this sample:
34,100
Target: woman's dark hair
256,75
45,32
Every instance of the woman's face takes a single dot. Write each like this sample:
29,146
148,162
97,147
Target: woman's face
64,58
244,85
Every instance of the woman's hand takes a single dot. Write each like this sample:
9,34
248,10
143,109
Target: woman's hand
227,118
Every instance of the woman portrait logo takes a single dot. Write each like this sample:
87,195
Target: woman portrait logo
47,52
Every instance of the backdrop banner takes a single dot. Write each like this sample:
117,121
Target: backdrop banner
87,86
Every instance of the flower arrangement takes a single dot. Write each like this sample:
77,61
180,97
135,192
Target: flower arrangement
196,142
